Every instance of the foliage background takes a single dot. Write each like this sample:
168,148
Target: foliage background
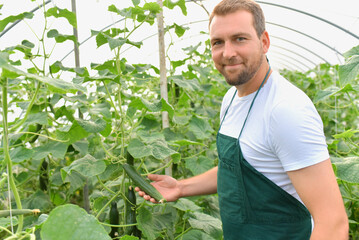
71,129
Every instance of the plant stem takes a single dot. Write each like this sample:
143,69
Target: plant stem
108,203
7,154
28,110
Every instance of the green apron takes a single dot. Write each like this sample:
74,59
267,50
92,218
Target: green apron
252,207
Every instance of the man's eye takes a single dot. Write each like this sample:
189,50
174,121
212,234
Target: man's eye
240,39
216,43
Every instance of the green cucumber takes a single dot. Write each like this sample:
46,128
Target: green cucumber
142,183
44,177
15,212
114,219
130,210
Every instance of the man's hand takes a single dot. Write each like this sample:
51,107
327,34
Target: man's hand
166,185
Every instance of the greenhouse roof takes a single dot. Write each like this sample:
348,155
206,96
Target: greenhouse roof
303,33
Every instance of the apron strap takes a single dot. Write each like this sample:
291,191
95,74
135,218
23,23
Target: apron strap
250,107
227,110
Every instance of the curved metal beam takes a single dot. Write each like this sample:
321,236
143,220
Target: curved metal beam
285,62
304,34
293,59
306,49
286,49
313,16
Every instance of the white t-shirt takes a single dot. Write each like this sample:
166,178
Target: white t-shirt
284,131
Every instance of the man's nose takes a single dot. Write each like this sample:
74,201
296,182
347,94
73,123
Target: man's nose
229,50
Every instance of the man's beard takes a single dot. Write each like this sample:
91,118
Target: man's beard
244,76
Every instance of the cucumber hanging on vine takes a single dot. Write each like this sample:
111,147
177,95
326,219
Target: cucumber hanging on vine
114,219
130,211
43,175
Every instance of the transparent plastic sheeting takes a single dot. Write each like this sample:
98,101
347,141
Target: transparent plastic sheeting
303,33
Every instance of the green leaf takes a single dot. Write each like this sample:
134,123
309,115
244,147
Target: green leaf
172,3
186,142
136,2
207,223
152,223
12,18
56,85
179,30
72,222
114,43
81,146
185,205
153,7
38,200
349,71
101,109
58,12
59,38
324,94
347,134
352,52
200,128
155,106
347,169
87,166
126,237
195,234
199,165
158,149
57,149
21,154
37,118
189,84
93,126
72,133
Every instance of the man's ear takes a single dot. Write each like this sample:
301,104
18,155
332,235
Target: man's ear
265,41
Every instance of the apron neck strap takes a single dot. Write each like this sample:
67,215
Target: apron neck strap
255,96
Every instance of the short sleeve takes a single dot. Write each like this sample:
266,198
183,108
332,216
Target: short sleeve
296,133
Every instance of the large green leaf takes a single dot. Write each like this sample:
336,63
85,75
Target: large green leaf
195,234
57,149
199,165
87,166
12,19
72,222
347,169
59,38
151,223
207,223
349,71
324,94
71,134
157,149
154,106
180,3
38,200
185,205
93,126
189,84
56,85
58,12
200,128
21,154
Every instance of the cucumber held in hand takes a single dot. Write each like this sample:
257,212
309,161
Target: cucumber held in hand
142,183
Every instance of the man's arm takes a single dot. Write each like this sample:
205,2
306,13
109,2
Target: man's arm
172,189
319,191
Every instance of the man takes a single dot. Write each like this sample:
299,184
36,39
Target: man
274,179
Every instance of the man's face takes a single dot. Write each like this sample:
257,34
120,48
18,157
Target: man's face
236,49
